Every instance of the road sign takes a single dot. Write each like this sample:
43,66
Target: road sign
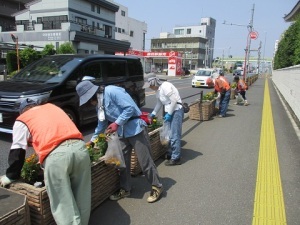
254,35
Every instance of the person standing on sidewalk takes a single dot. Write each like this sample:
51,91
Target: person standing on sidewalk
63,155
223,87
168,96
115,106
241,88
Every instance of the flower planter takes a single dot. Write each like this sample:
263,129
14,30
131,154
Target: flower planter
14,208
232,94
157,150
105,181
202,111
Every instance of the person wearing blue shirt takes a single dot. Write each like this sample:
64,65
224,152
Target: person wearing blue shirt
117,112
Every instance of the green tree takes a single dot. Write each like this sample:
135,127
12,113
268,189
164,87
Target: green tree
28,55
66,48
288,52
11,61
48,50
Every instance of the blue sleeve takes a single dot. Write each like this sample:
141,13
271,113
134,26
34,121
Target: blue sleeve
101,126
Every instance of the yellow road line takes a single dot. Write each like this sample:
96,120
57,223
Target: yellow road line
268,203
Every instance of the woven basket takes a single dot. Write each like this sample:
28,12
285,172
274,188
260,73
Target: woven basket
202,111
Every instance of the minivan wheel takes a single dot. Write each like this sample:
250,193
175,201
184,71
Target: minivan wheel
71,115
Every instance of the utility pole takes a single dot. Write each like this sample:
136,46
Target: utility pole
247,50
258,58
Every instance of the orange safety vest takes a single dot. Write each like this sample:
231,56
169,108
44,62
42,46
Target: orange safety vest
49,126
221,84
242,86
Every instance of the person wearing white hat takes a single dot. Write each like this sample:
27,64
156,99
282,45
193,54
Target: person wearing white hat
117,112
167,95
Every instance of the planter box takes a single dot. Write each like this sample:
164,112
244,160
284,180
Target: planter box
202,111
157,150
14,208
232,94
105,181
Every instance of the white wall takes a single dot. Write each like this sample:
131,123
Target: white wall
287,81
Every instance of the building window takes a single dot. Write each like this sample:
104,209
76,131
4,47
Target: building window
131,33
52,22
119,30
98,9
93,7
123,30
188,31
108,31
179,31
81,21
122,13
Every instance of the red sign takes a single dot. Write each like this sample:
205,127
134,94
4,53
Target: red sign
254,35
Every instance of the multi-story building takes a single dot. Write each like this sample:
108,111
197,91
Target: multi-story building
195,43
130,29
88,24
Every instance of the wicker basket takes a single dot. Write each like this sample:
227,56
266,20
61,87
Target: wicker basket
14,208
202,111
105,181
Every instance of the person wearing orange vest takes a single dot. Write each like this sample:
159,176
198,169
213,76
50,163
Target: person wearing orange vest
62,154
241,88
223,87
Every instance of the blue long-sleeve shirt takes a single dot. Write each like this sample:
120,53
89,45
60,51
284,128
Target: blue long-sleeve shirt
119,107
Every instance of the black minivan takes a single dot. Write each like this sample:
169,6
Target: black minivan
54,78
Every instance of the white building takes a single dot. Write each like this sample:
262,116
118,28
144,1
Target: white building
129,29
90,25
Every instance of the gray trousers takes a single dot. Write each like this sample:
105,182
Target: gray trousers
141,145
68,183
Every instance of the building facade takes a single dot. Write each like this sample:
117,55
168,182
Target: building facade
195,43
129,29
90,25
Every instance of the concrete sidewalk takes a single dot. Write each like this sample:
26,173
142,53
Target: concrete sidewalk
216,182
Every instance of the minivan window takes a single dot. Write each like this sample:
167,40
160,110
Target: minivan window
104,70
47,70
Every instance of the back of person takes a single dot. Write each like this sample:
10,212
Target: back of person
49,126
242,86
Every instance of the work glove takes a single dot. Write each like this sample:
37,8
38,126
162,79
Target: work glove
113,127
168,117
5,181
152,115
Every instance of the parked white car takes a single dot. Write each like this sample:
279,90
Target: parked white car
199,79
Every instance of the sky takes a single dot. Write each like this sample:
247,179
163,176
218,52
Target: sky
164,15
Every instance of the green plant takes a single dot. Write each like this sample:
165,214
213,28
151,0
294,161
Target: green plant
209,96
98,149
233,85
156,123
31,169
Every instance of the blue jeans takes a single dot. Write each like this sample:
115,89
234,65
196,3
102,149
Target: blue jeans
175,139
224,101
